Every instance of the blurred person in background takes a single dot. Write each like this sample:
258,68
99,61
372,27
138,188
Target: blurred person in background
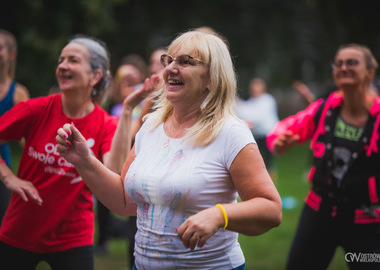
11,93
305,92
50,215
155,68
129,78
191,160
259,111
309,97
342,207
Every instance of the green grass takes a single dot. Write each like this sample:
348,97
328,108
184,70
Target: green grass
116,259
266,252
269,251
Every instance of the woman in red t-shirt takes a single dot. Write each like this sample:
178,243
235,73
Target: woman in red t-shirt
50,216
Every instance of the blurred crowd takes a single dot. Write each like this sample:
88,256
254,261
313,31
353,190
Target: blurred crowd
185,94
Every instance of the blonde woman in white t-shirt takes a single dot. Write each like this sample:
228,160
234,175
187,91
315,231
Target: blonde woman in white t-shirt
191,160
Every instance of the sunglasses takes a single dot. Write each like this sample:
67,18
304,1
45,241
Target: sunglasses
349,63
182,60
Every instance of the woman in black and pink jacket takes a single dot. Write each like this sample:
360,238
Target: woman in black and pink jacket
342,208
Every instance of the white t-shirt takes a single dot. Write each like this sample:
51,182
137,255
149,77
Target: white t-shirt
171,183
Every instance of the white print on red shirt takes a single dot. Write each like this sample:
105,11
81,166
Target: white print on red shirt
51,155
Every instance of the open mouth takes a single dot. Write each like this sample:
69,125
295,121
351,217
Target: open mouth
65,77
175,82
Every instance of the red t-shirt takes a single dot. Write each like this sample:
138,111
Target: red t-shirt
66,217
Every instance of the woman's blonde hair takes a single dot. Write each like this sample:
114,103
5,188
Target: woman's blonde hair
220,98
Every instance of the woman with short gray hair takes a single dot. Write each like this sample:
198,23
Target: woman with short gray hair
50,216
98,57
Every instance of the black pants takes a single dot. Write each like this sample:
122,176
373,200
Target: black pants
318,235
265,152
104,218
5,195
131,232
80,258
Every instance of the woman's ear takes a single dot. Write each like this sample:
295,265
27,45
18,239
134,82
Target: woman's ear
96,76
208,83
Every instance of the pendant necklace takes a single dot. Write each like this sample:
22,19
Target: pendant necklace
166,144
170,132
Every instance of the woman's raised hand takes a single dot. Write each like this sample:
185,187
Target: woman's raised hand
72,146
133,99
284,142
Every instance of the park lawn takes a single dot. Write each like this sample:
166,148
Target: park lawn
265,252
269,251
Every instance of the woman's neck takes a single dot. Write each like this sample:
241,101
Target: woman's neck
357,99
356,104
178,122
76,106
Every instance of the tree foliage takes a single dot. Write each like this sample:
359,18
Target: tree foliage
274,39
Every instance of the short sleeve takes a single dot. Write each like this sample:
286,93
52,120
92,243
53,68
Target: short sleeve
15,123
238,136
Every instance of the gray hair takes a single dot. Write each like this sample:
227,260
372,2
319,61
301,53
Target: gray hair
98,57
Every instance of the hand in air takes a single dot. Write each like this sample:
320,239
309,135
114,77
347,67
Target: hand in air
198,228
72,146
304,90
133,99
285,141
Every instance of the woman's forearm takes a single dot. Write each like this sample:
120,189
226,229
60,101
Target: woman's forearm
106,186
253,217
121,143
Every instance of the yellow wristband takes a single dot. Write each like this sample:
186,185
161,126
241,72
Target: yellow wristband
224,215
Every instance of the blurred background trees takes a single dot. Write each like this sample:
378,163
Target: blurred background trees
278,40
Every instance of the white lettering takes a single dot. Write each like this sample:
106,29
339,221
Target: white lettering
49,156
59,171
64,163
44,158
49,148
362,257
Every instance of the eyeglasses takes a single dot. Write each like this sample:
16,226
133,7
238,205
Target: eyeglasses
182,60
349,63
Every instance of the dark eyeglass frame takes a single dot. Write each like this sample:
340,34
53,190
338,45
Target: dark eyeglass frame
182,60
349,63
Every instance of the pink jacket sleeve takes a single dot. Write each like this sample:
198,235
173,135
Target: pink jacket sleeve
301,123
